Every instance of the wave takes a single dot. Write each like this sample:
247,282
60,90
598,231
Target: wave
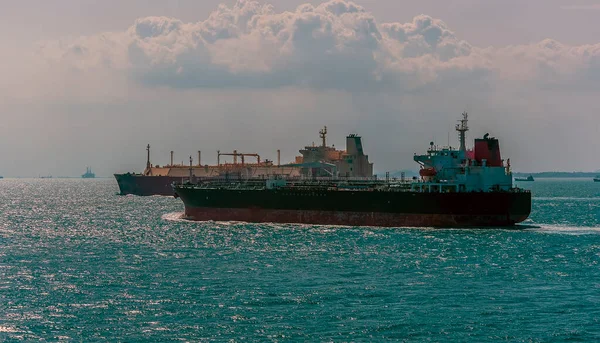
9,329
567,198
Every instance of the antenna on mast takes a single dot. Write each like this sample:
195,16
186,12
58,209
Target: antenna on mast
148,165
462,129
323,135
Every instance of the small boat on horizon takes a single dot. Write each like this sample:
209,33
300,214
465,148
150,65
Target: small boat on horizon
88,174
529,178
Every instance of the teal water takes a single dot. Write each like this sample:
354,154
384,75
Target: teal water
80,263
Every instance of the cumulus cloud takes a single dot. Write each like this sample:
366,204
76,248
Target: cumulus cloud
334,45
549,64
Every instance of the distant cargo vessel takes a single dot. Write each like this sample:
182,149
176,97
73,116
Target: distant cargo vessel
529,178
457,188
317,160
157,180
88,174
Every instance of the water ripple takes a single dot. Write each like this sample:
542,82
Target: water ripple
79,263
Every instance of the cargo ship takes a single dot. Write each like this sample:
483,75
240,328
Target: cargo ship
456,188
157,180
321,159
88,174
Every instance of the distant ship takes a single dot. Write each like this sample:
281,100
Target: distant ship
457,188
88,174
317,160
529,178
157,180
46,177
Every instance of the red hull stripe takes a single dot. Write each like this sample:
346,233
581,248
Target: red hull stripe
347,218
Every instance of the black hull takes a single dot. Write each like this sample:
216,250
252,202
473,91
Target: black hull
146,185
357,208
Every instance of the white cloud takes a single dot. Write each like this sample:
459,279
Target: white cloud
336,45
251,72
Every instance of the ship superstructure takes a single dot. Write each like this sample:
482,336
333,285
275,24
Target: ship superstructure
457,188
479,170
324,160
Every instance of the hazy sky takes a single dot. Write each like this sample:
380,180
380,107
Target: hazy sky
87,82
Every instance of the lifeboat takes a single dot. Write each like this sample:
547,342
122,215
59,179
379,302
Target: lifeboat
427,172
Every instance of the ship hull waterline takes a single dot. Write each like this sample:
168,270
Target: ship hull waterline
383,210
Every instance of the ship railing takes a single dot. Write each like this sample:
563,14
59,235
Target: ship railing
359,183
263,178
519,190
240,177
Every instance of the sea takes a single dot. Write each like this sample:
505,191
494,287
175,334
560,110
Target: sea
80,263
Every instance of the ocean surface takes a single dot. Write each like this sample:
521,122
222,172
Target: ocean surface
80,263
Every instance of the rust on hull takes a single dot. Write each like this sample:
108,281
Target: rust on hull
349,218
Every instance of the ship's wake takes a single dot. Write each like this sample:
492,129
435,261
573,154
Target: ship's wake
180,217
174,217
564,229
530,227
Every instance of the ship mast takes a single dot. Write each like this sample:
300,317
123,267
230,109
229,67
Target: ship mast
148,158
462,129
323,135
191,169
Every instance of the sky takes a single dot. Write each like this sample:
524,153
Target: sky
90,83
